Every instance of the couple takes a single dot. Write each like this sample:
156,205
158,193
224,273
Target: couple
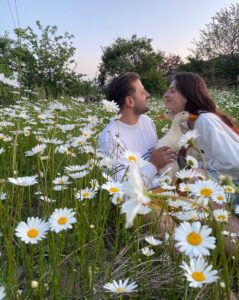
218,136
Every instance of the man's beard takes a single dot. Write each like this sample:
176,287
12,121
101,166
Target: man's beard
139,111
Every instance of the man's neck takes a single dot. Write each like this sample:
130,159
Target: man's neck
129,118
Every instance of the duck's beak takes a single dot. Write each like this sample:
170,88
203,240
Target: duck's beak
192,117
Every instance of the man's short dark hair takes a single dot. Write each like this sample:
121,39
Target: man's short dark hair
121,87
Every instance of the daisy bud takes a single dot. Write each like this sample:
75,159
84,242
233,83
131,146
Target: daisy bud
222,284
34,284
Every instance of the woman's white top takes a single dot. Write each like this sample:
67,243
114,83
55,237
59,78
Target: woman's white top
219,144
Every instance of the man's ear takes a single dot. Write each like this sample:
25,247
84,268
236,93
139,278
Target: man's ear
129,101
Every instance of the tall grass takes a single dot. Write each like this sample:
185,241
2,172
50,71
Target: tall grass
76,263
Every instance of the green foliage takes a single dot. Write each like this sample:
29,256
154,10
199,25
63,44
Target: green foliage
45,58
135,55
219,72
221,35
216,55
42,62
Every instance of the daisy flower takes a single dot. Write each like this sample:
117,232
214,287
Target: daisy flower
78,141
221,215
2,292
59,187
36,150
228,189
86,132
152,241
76,168
33,231
121,287
219,197
193,239
117,199
135,191
172,199
3,196
113,187
58,106
78,175
199,272
110,106
191,161
66,127
51,141
61,180
190,215
186,174
183,187
167,187
204,189
130,158
188,138
147,252
23,181
62,219
46,199
94,184
87,193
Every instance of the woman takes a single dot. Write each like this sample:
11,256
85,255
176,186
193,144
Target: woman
219,135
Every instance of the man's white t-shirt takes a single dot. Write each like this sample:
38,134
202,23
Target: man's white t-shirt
118,137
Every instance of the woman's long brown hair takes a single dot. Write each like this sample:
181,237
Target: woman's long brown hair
194,89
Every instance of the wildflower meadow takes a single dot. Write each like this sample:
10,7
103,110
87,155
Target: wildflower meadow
69,230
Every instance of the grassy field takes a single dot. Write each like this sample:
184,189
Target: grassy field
63,235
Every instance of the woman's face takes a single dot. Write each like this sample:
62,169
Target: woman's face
173,99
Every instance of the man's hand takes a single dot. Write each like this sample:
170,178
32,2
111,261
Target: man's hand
162,156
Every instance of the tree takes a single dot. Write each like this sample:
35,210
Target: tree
6,50
221,36
135,55
43,60
169,64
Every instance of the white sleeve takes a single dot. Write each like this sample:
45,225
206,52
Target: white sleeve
113,147
221,148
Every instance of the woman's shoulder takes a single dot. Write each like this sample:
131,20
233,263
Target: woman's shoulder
208,118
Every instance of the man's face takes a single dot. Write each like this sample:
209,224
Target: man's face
140,98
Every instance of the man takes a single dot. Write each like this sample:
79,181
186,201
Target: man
134,131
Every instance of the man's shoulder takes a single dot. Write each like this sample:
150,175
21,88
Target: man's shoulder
146,119
109,128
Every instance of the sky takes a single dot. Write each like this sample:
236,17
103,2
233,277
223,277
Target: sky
171,24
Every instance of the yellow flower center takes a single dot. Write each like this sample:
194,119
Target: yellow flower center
120,290
221,218
32,233
86,194
174,199
62,220
228,189
85,134
61,181
132,158
80,143
198,276
220,198
114,190
206,192
194,239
